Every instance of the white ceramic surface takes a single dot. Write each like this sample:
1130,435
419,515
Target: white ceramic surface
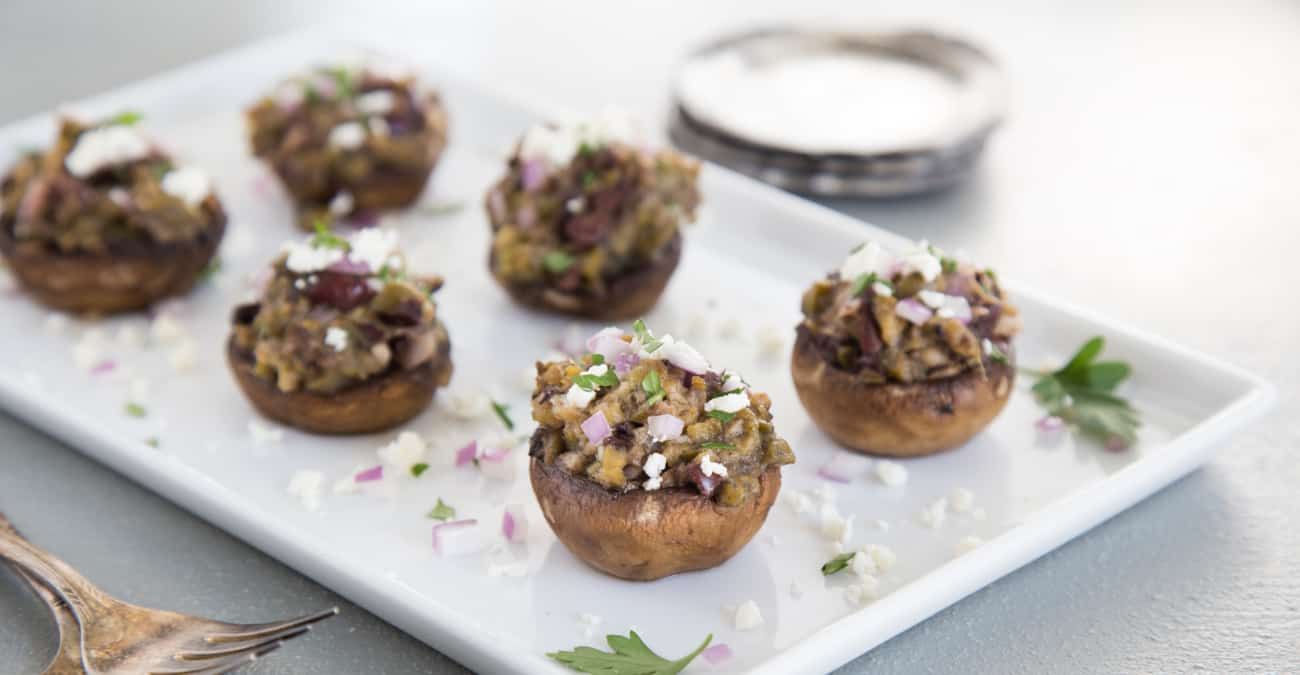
748,259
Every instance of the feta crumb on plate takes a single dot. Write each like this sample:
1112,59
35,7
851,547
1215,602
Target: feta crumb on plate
305,484
404,452
934,515
882,555
183,356
961,500
966,545
468,406
891,473
87,352
864,591
56,323
166,330
589,623
263,433
748,616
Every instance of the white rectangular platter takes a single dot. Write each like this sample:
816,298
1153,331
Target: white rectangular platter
745,265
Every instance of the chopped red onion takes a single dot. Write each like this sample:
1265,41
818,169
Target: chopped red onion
624,363
526,216
842,467
497,205
514,523
496,464
531,174
467,454
1050,423
958,284
829,474
912,310
610,344
372,474
347,265
596,428
105,366
262,185
665,427
717,653
457,537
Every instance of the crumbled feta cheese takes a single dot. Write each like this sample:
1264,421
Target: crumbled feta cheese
933,299
961,500
575,205
264,433
188,184
379,127
579,397
348,136
119,196
56,323
372,246
979,514
868,258
403,452
347,485
306,485
336,338
470,406
796,591
891,473
104,147
966,545
862,564
589,623
728,403
378,102
655,464
771,342
864,592
342,203
733,382
88,351
882,290
166,330
748,616
711,468
954,306
558,144
921,261
799,502
934,515
835,527
183,356
883,556
679,354
729,329
824,493
130,335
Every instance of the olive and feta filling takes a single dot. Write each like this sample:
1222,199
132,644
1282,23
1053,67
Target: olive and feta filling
584,203
105,188
911,316
338,311
334,130
646,412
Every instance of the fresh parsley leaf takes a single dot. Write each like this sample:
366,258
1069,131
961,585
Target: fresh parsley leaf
631,656
645,337
995,353
557,262
152,441
862,282
857,248
325,238
948,264
343,79
717,445
501,410
442,511
653,388
838,563
125,118
720,394
1082,394
136,410
597,359
585,149
418,470
211,270
589,382
722,416
588,179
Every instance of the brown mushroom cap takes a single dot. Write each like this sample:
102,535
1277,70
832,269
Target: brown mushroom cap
629,296
640,535
901,420
376,404
110,283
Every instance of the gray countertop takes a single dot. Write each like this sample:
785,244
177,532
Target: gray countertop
1151,169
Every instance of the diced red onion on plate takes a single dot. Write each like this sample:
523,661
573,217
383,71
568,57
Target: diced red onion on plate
717,653
665,427
912,310
532,174
843,467
467,454
105,366
514,523
496,464
457,537
526,216
1050,423
596,428
372,474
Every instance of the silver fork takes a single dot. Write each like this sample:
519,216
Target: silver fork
118,637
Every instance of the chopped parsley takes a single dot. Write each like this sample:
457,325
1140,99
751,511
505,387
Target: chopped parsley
838,563
588,179
590,382
643,335
717,445
136,410
325,238
211,270
631,656
995,353
653,388
585,149
152,441
1083,394
728,392
864,280
722,416
125,118
441,511
502,409
343,79
557,262
418,470
948,264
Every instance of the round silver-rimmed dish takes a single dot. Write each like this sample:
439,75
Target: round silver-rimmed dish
861,114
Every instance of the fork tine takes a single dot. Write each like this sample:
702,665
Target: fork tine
268,628
242,648
224,665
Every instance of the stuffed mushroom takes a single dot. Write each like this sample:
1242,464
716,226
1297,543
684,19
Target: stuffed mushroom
905,354
104,221
587,220
648,462
344,340
349,141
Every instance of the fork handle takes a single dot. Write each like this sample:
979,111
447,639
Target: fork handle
83,597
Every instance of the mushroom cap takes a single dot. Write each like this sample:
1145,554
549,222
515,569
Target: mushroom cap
379,403
628,296
900,420
645,535
111,283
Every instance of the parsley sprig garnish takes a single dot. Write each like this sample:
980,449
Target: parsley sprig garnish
125,118
722,416
442,511
557,262
418,469
1083,394
838,563
653,388
590,382
136,410
717,445
325,238
643,335
864,280
502,411
631,656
